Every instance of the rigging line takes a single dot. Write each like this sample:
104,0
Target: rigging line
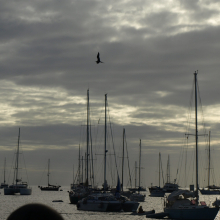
113,142
76,176
97,143
187,127
100,179
213,172
132,173
180,161
13,159
187,123
128,160
91,146
200,101
25,168
109,162
187,144
185,159
43,173
23,160
191,162
157,169
92,167
204,128
190,108
92,159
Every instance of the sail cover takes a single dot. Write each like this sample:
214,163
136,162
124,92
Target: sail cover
185,193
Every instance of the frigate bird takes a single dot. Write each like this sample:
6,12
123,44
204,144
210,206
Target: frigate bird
98,59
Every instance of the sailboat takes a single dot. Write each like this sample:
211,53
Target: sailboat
102,202
137,196
169,186
49,187
156,191
135,179
125,193
81,190
4,185
126,204
19,187
178,205
211,189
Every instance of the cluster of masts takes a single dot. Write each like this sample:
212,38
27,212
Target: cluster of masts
181,204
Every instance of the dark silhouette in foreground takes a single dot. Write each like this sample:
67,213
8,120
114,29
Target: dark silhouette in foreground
98,59
35,212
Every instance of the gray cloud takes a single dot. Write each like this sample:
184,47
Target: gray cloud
150,51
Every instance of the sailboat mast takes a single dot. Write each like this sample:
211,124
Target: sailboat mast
82,169
209,162
87,152
73,174
4,169
196,136
140,166
17,157
135,180
79,168
159,169
105,144
48,172
168,169
123,161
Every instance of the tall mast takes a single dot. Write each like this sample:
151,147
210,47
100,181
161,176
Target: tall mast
159,169
82,169
168,169
105,144
196,136
123,160
87,153
135,180
73,174
79,168
17,157
140,166
48,172
4,169
85,169
209,161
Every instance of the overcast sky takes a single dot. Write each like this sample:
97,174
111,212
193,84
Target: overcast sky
150,51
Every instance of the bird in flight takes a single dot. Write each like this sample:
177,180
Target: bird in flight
98,59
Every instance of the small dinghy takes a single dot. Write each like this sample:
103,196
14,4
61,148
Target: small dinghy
57,201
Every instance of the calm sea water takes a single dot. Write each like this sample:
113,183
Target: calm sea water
69,211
